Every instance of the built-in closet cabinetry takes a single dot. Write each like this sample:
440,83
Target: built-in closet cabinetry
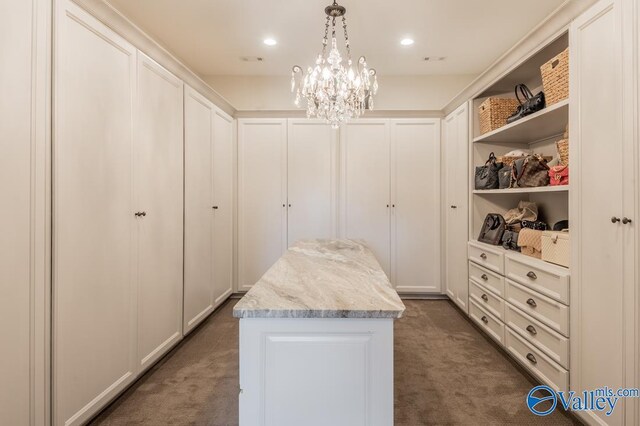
604,211
120,253
456,200
208,207
389,196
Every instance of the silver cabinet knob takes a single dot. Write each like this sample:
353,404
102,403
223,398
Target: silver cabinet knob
532,275
532,358
626,220
531,329
532,303
615,219
483,256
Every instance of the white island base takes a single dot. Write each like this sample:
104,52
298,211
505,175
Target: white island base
316,371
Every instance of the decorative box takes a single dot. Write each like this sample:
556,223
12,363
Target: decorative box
556,247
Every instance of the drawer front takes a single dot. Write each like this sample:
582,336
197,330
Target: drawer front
490,280
489,301
546,310
553,344
537,362
490,324
490,258
551,280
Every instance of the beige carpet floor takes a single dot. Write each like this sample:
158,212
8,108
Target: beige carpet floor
446,373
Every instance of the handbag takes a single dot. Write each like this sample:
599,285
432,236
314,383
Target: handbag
492,229
504,177
559,175
531,171
536,225
510,240
528,103
486,176
526,210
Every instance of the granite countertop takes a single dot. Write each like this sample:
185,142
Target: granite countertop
323,279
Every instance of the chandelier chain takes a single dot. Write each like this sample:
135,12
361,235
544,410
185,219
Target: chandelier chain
346,38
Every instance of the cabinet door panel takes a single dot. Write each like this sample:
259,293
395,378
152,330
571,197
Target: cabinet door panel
311,180
94,292
262,218
159,149
455,145
415,196
598,318
198,205
223,148
365,200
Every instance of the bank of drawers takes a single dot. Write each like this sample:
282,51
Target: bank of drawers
522,303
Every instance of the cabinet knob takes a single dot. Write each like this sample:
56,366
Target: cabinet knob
531,329
532,358
626,220
284,205
454,207
615,219
215,207
485,297
532,275
143,214
484,277
532,303
484,319
483,256
138,214
289,205
387,205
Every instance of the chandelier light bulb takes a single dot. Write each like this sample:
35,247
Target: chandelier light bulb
335,91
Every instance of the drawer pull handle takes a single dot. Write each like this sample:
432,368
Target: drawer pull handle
532,303
484,319
531,329
484,277
532,358
532,275
483,256
485,297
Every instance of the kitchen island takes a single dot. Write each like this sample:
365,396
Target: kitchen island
316,339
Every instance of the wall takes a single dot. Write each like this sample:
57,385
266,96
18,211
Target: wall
24,211
408,93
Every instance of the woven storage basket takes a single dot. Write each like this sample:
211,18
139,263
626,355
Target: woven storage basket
508,160
563,151
494,113
555,78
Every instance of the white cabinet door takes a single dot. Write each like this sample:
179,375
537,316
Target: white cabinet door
365,200
198,209
601,314
223,172
262,197
456,148
415,205
311,180
94,292
159,184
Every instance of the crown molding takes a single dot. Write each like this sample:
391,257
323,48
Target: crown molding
298,113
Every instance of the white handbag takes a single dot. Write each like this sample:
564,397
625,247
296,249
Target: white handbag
556,247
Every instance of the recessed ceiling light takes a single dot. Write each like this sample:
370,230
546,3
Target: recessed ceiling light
270,42
406,42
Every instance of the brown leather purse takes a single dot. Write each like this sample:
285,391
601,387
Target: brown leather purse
531,171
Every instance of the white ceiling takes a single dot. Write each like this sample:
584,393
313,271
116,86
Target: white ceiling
212,35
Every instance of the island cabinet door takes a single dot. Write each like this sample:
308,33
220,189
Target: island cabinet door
262,197
365,186
311,151
415,205
159,184
198,208
455,198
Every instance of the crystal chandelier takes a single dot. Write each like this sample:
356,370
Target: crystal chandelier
334,92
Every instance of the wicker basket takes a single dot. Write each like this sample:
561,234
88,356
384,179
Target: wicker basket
555,78
494,113
563,151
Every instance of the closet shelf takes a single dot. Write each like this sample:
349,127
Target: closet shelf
543,124
559,188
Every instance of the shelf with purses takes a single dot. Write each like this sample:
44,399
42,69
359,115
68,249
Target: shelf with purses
537,189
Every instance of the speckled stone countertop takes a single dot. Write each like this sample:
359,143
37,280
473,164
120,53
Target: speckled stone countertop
323,279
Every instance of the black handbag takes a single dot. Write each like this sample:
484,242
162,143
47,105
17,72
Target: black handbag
504,177
492,229
528,103
486,176
537,225
510,240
